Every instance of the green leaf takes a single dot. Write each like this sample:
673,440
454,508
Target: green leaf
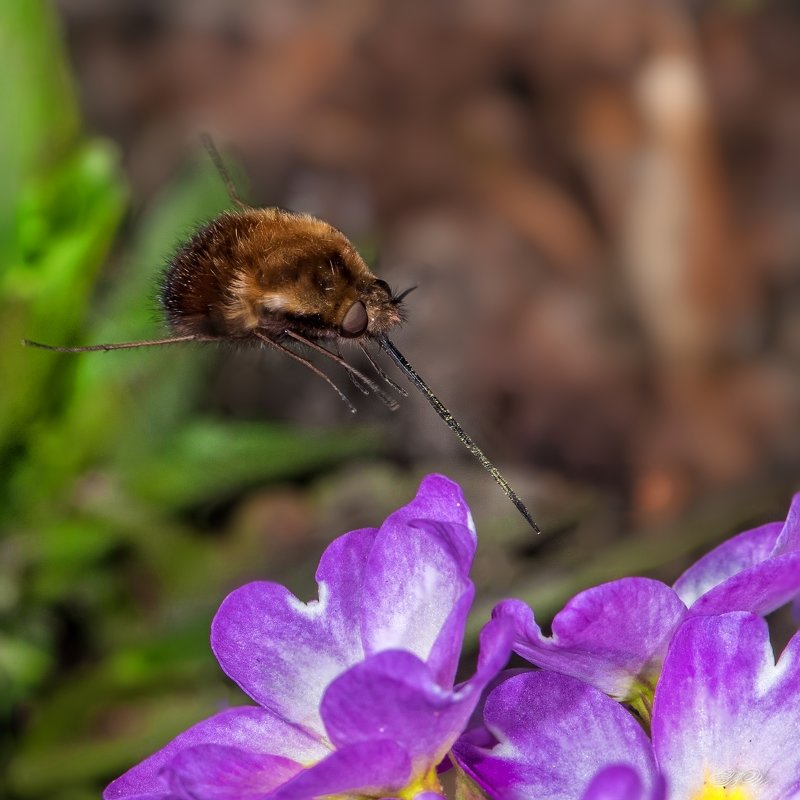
65,223
208,460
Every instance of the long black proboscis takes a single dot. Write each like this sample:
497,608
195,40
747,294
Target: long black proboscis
388,347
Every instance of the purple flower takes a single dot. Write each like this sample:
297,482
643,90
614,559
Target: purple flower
725,724
726,715
355,690
615,636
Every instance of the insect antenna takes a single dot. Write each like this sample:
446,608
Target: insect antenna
399,389
118,345
398,298
216,158
389,402
466,439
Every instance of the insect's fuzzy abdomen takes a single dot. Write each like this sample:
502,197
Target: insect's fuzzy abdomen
196,283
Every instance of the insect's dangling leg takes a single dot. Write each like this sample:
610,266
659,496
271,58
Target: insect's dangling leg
377,368
93,348
353,378
389,402
216,158
305,362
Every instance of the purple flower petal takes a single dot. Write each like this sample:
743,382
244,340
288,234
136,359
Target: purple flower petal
789,540
445,654
739,553
254,729
284,652
554,735
372,768
476,732
431,543
218,772
725,714
621,782
417,592
163,795
760,589
613,636
394,695
441,500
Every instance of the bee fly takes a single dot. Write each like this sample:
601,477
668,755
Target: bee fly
273,277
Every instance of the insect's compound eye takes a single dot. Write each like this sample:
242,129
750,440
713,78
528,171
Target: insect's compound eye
355,320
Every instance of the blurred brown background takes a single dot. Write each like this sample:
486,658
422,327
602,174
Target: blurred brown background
600,203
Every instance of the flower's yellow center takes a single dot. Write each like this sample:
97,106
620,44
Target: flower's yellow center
429,782
722,793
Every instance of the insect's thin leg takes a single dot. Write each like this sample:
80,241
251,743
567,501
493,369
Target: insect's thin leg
451,422
380,372
119,345
212,151
353,378
305,362
389,402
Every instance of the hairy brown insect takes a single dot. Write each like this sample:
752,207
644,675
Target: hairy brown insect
273,277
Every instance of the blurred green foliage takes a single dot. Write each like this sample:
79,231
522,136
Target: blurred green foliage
106,592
